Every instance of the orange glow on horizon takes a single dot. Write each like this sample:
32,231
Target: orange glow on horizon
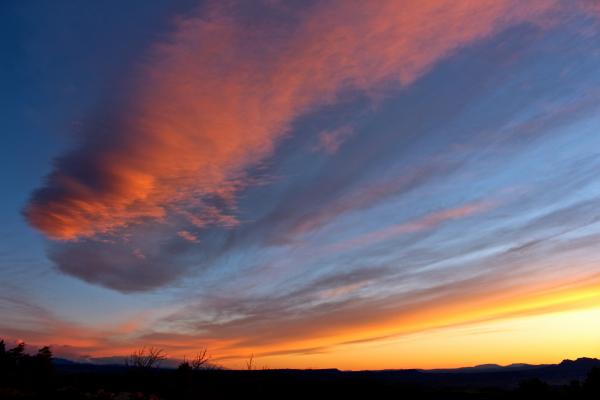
498,328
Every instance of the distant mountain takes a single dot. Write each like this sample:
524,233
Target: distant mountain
63,361
480,375
484,368
566,366
106,363
491,374
488,381
583,362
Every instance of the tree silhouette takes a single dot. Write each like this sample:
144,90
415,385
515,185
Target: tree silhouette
42,364
21,369
44,353
3,360
145,358
18,351
200,360
16,357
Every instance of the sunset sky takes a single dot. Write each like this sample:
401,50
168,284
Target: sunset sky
351,184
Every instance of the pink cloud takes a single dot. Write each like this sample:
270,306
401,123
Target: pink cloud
187,236
331,140
426,222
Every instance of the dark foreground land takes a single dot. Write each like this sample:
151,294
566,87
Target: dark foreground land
59,379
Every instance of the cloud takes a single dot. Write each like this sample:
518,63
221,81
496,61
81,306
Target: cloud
591,6
304,323
156,190
25,319
425,222
188,236
305,210
114,266
418,287
142,261
331,140
217,96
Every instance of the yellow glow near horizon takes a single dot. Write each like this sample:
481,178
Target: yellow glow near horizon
539,339
546,326
543,323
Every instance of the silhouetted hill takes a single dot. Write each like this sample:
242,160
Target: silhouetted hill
480,375
92,380
63,361
484,368
511,375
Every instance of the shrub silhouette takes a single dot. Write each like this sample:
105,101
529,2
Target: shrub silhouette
250,363
200,361
184,367
145,359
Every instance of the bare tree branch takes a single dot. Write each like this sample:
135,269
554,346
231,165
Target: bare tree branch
201,359
250,363
145,358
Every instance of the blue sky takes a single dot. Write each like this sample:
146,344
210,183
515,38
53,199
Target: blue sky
252,179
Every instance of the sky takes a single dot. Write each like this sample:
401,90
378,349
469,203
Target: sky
348,184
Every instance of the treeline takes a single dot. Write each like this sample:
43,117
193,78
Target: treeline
19,368
32,375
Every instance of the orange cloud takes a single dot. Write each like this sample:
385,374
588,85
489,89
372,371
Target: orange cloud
425,222
352,326
355,326
188,236
330,141
326,334
217,96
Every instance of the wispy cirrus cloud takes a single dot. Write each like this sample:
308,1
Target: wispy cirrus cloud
308,178
425,222
306,319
